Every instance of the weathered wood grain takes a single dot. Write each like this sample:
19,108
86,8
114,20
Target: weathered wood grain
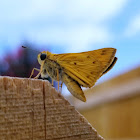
33,110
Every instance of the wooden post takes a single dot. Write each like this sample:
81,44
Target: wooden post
33,110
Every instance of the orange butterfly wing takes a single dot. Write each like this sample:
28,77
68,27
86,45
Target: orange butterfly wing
85,67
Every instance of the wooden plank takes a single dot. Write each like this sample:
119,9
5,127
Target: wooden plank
33,110
120,119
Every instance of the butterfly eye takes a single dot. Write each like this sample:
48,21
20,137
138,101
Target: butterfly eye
43,56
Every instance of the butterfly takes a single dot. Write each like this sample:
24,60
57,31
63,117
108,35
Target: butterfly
76,70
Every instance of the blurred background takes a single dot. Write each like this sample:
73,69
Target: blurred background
69,26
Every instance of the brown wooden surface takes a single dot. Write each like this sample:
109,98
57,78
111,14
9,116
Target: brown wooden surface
33,110
113,107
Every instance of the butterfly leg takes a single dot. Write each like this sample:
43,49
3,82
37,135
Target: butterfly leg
58,78
33,72
52,82
61,84
61,87
40,71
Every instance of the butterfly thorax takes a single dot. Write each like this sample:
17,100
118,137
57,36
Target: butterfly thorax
52,69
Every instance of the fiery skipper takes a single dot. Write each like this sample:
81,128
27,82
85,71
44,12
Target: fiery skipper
76,70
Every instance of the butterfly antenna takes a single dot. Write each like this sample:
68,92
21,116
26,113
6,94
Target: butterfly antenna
31,49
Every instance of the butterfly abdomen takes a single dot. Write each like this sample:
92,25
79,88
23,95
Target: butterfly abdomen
73,87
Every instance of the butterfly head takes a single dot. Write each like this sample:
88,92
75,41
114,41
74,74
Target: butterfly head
41,57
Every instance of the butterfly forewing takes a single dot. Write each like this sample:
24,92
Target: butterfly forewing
105,56
85,67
